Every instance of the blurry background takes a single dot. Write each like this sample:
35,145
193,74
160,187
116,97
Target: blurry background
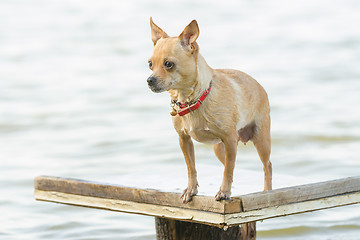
74,103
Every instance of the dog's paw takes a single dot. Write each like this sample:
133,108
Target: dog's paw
188,193
222,195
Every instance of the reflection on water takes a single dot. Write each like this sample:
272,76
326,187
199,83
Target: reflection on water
74,103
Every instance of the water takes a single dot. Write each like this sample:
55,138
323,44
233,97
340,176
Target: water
74,103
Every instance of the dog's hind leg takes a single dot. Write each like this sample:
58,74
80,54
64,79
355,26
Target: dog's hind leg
219,150
262,142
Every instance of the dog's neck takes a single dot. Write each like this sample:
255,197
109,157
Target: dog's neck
200,83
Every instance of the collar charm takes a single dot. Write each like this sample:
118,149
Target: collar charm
173,111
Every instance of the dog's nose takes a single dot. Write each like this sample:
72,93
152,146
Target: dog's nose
151,80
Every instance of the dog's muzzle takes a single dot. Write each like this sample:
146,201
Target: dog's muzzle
151,80
153,84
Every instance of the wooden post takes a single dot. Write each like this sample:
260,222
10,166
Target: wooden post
248,231
203,218
168,229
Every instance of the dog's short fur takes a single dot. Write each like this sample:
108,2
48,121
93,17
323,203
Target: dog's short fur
236,109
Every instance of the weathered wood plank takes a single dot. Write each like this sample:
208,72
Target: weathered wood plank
206,210
300,193
294,208
149,196
182,214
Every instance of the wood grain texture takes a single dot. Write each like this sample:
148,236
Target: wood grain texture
209,218
242,209
299,193
148,196
294,208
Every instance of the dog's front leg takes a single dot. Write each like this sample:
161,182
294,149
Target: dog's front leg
230,157
187,148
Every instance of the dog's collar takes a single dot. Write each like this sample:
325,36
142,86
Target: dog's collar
186,108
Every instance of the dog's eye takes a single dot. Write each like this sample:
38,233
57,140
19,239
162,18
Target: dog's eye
150,64
169,65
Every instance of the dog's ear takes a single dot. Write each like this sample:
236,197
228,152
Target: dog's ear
189,36
156,32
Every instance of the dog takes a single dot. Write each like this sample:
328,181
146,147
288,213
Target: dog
213,106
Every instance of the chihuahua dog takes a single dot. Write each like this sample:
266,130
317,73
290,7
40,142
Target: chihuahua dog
213,106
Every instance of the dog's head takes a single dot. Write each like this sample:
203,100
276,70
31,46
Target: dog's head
174,60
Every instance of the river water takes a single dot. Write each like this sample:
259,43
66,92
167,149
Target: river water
74,103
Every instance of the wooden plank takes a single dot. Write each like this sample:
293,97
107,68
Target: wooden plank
183,214
290,209
299,193
208,218
249,208
149,196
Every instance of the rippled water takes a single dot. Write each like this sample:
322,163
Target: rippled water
74,103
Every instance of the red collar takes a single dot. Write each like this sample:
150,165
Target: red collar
186,108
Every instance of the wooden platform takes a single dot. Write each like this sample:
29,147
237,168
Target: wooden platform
205,210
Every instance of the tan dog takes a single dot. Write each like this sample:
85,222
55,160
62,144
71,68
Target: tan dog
216,106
